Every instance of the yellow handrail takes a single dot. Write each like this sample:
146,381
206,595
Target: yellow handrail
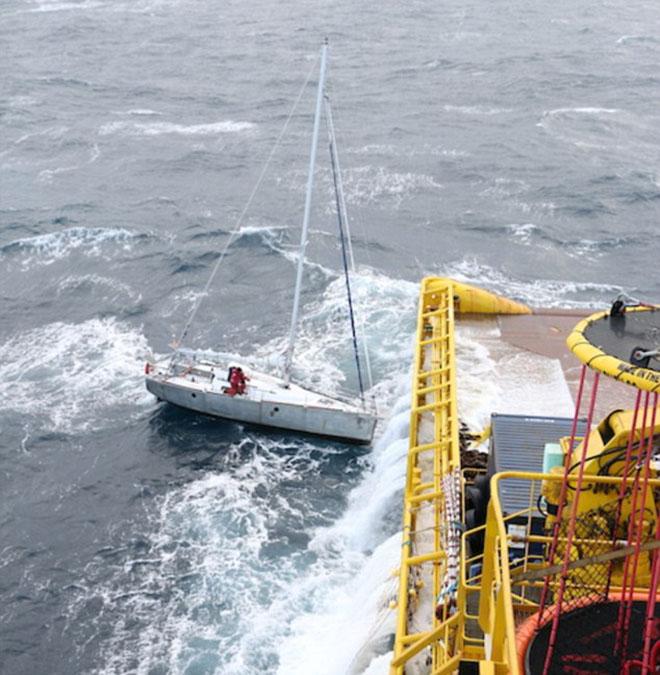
434,452
434,457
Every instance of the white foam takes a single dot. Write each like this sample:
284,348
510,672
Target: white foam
582,111
160,128
589,128
407,151
262,230
94,153
361,602
68,377
626,39
44,249
538,293
180,302
273,238
373,149
324,349
523,232
352,585
359,528
22,101
50,6
380,665
114,289
142,112
476,110
492,377
477,388
47,175
201,590
194,551
57,133
370,184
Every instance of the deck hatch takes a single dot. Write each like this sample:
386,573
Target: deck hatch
517,444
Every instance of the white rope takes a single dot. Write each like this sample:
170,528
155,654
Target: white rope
239,222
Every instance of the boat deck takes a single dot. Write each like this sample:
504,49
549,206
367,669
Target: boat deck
206,376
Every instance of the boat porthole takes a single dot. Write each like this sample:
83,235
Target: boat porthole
194,395
273,411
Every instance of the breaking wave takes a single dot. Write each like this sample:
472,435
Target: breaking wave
55,6
476,110
324,356
530,234
242,570
160,128
46,248
537,293
638,39
581,111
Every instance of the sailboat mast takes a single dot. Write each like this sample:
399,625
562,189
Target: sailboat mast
305,226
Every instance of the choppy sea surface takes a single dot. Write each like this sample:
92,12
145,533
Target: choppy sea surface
514,145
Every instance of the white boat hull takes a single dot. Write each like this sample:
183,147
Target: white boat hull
266,402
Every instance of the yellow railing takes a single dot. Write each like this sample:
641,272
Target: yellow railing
434,453
434,457
507,578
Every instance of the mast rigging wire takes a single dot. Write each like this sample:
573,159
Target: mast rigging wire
342,206
239,222
342,237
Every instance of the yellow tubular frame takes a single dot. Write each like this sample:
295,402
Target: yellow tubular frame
488,638
433,399
496,598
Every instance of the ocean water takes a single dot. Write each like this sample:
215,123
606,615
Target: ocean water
515,146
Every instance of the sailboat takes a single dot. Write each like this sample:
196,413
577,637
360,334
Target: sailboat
235,391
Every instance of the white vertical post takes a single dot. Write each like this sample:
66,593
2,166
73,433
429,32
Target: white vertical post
305,226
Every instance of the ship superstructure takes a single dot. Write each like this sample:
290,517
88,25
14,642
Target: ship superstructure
545,560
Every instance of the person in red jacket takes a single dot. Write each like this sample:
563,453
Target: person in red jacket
237,381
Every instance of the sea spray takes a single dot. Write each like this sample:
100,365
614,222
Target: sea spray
353,616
